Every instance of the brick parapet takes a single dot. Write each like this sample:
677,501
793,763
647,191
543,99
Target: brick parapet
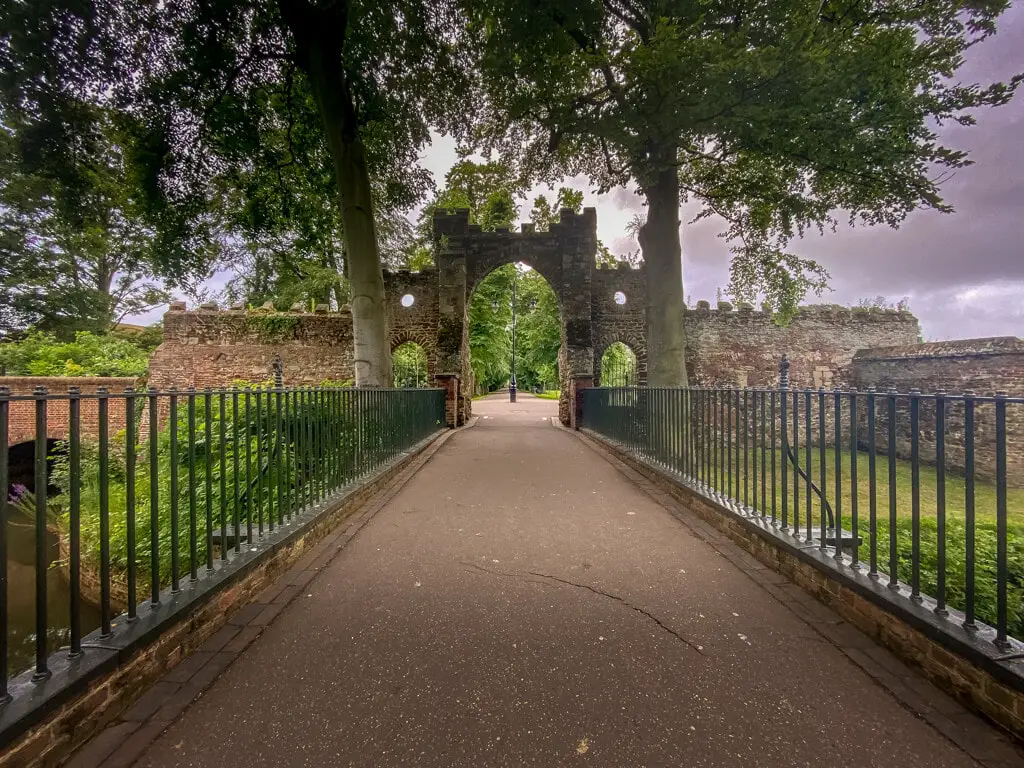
22,413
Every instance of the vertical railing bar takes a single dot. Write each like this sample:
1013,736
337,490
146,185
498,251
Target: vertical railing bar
248,467
222,457
969,498
796,457
193,507
74,520
894,580
154,498
5,479
41,481
234,473
940,502
208,472
103,415
808,451
173,487
823,522
915,495
837,414
129,496
872,486
764,467
730,494
775,450
854,483
1002,564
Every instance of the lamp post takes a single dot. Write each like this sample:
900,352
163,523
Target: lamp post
512,380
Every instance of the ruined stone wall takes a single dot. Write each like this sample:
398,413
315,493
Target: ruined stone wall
982,366
563,255
743,347
418,321
211,348
626,322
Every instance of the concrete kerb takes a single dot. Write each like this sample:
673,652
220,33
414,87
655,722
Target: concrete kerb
46,728
759,551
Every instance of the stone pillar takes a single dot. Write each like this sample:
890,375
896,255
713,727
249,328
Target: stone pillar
579,383
452,330
450,384
577,241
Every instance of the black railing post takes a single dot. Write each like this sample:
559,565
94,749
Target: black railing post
41,483
74,517
784,425
1002,566
129,505
5,481
940,502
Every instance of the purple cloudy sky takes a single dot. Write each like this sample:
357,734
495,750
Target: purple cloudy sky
963,273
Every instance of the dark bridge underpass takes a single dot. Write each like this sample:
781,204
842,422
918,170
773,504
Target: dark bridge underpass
521,602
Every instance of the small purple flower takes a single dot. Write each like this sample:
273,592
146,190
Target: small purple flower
18,493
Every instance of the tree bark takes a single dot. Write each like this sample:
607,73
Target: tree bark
659,240
319,37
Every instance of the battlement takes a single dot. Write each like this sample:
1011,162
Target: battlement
821,312
994,346
209,325
455,223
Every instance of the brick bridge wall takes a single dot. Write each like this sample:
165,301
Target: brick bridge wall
22,418
984,366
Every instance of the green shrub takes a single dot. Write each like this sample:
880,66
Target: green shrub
268,482
42,354
956,565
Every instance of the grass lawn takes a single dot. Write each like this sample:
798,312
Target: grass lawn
955,487
550,394
742,488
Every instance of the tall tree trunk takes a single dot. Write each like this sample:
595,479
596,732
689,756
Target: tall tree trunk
319,38
104,301
659,240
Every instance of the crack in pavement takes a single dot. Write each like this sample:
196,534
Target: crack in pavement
688,643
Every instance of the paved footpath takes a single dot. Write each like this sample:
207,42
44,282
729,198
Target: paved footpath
521,602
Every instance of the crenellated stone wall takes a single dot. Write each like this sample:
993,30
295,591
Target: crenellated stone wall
208,347
743,347
416,322
625,322
563,255
983,367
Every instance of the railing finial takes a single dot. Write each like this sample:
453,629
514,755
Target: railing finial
784,372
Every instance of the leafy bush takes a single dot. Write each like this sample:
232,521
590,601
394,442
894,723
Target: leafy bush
42,354
956,565
263,480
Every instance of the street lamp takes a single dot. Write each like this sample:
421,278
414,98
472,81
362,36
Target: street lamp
512,380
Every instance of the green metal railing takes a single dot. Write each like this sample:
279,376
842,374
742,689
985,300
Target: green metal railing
910,489
147,491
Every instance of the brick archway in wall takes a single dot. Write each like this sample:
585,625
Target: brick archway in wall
636,345
431,307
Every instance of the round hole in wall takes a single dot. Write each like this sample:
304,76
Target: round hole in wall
620,298
408,300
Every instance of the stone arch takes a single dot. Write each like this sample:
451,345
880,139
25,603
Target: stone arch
631,341
564,256
424,339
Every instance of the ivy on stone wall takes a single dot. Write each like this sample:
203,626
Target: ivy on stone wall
272,328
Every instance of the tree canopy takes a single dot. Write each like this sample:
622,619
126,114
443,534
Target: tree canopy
263,106
78,253
779,117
